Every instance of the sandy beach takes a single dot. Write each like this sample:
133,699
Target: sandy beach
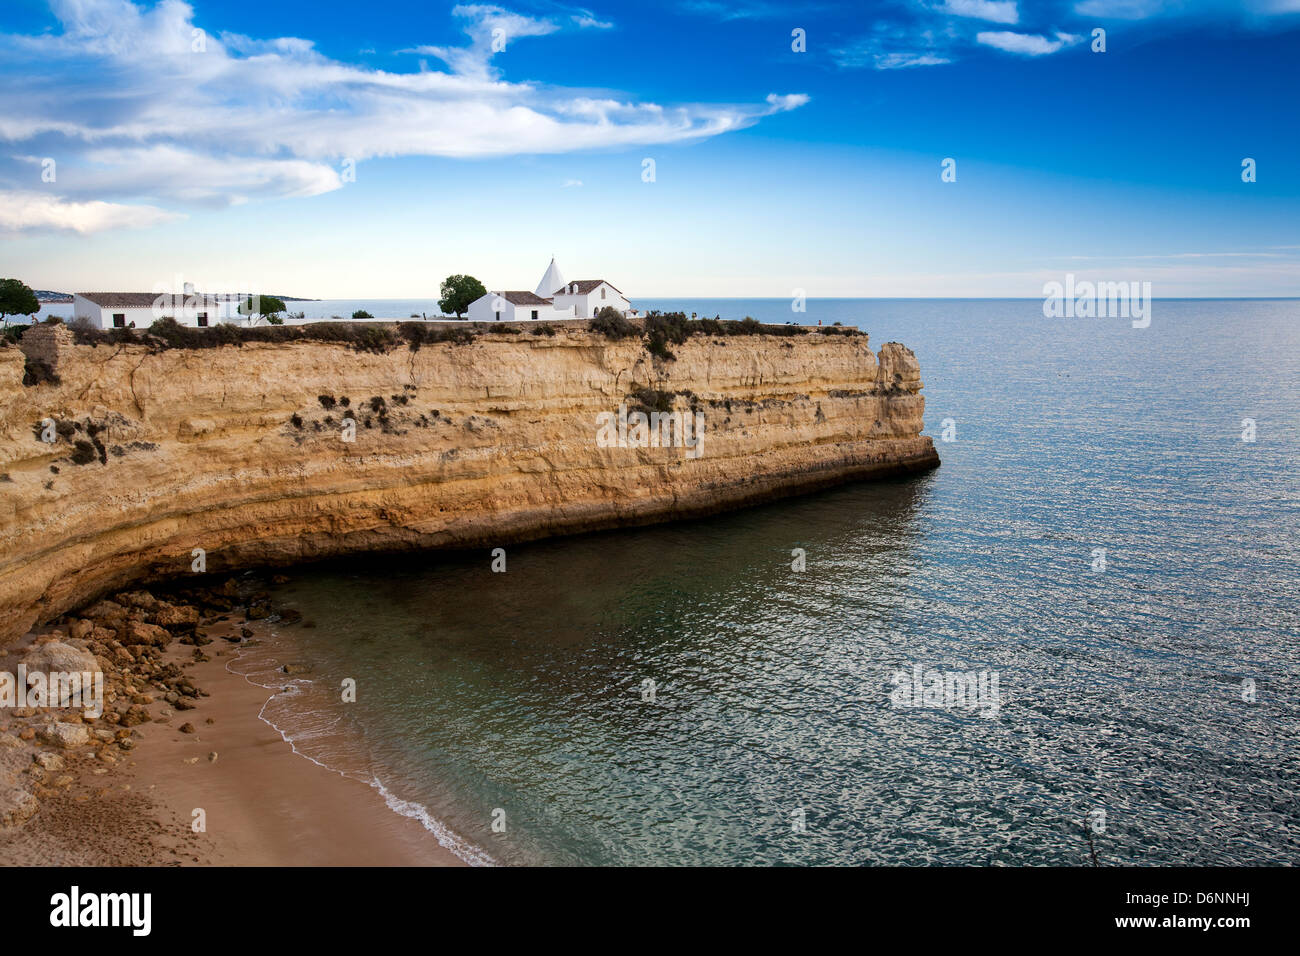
264,805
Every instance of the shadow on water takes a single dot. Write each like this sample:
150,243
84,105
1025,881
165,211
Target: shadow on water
528,690
670,579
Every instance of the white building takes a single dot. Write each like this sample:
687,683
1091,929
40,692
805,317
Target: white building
139,310
514,307
553,299
586,297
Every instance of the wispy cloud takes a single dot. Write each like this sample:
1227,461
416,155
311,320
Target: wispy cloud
935,32
741,9
893,47
23,211
925,33
144,105
995,11
1027,44
491,30
1202,9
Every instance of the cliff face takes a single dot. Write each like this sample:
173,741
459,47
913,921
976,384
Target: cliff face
233,450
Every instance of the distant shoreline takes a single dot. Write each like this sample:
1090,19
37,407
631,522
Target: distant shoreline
45,297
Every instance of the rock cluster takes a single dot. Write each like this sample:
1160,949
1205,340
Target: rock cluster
126,637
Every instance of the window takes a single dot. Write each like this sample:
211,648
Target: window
119,320
203,320
602,292
534,315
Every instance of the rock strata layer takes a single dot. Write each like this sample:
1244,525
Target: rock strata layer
124,464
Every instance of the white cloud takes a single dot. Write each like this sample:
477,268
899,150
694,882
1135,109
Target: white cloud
140,104
740,9
1121,9
783,104
172,172
23,211
898,61
491,29
894,47
568,183
995,11
585,20
1206,9
1028,44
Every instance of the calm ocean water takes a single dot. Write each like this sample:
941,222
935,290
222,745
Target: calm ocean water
1123,692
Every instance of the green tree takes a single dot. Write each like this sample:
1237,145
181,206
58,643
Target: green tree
265,305
16,299
458,292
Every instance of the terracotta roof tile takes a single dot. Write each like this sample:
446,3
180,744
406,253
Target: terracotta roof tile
584,286
524,298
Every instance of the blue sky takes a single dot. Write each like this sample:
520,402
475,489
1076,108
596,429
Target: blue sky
226,156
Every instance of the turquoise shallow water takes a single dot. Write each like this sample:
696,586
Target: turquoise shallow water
1121,691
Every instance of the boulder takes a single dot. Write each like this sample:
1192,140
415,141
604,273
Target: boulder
55,656
16,807
106,612
135,714
49,761
176,617
140,634
66,736
141,599
12,764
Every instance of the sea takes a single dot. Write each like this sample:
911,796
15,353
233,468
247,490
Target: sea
1076,642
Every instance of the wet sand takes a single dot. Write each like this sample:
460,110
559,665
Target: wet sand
264,804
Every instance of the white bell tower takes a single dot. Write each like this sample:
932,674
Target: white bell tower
552,282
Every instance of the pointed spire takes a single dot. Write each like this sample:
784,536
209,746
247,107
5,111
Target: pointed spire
551,282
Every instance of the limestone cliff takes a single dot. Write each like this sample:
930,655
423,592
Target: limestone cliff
240,451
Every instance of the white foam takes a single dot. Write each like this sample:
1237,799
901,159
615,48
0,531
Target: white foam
446,838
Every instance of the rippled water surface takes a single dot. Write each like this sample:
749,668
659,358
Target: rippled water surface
1120,690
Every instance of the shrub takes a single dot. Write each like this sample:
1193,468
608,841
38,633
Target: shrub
38,373
652,400
363,314
661,329
83,452
611,323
